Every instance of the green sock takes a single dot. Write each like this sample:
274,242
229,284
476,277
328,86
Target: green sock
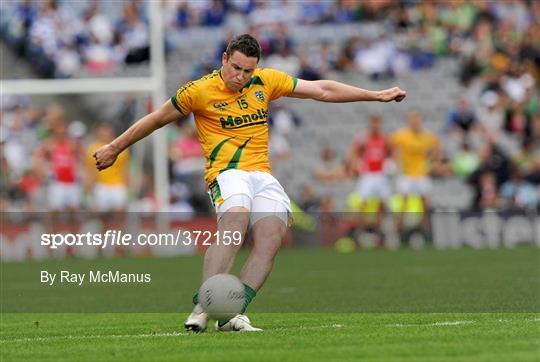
196,298
249,294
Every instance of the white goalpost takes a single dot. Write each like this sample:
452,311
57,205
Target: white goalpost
155,85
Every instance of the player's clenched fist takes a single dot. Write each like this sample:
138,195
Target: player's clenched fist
105,156
392,94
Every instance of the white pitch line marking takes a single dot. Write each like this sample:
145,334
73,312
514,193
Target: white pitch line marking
454,323
145,335
435,324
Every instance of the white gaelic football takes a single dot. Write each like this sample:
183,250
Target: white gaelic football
222,296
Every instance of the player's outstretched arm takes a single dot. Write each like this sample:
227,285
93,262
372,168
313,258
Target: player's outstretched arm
106,155
336,92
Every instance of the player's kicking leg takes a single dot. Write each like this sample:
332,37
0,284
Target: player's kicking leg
268,231
218,259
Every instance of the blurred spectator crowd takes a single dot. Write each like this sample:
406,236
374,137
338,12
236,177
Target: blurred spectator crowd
60,40
47,164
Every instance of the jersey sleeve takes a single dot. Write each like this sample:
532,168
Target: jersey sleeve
184,98
280,84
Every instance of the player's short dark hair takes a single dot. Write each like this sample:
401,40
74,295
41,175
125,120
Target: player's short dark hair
245,44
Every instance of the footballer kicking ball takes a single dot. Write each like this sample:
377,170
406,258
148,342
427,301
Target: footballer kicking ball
222,296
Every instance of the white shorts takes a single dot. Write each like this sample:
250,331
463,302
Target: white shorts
407,185
64,195
110,197
259,192
374,185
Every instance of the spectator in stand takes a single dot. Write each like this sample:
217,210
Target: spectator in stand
243,6
517,82
215,14
99,58
345,61
222,47
99,24
5,179
527,162
457,17
187,154
309,202
109,187
183,18
487,193
535,135
492,160
263,39
290,12
529,53
374,59
205,66
67,61
306,71
344,11
330,169
461,118
282,122
465,162
402,18
180,208
284,60
517,121
265,15
318,62
490,114
46,27
517,193
313,11
281,39
513,10
188,163
282,119
18,143
18,26
134,34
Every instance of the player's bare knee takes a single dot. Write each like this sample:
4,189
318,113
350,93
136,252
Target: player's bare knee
267,237
235,219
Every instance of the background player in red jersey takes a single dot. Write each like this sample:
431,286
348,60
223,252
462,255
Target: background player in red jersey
60,160
366,159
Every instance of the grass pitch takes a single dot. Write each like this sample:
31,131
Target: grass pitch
429,305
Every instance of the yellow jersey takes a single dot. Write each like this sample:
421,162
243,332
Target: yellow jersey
413,151
112,176
232,127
